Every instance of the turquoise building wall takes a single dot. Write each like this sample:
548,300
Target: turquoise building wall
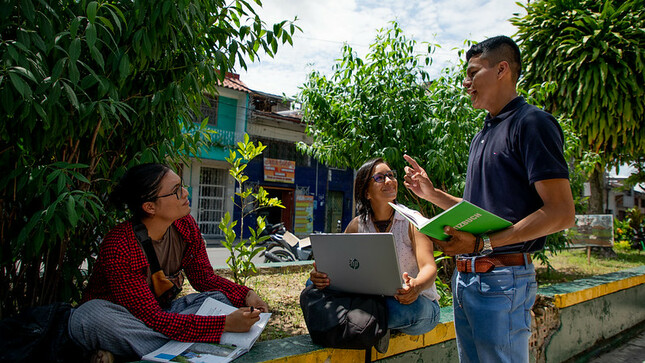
227,109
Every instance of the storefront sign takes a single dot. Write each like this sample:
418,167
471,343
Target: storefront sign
304,223
277,170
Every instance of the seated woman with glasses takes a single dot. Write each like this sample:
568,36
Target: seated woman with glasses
414,309
129,307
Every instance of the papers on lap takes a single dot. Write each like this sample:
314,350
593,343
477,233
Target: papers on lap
463,216
231,345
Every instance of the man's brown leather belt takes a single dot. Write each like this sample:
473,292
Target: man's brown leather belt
488,263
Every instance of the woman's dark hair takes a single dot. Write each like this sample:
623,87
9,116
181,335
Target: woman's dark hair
138,185
362,183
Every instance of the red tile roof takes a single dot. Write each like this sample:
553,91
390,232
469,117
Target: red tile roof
232,81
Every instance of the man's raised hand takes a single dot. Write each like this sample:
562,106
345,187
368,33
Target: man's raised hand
417,180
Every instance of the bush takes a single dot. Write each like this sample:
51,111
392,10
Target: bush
87,89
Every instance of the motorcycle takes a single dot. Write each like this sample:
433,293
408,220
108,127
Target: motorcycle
277,229
284,246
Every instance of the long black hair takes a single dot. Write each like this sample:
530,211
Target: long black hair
361,185
138,185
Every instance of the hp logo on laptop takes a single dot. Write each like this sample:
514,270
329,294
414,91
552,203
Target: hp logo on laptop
353,263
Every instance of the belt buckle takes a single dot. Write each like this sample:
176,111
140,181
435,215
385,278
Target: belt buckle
464,260
472,264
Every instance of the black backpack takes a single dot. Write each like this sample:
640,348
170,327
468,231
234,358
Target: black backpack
39,334
343,320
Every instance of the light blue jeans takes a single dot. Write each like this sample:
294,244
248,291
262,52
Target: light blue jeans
416,318
413,319
493,314
100,324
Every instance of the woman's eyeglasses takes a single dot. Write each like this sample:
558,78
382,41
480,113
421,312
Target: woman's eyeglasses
177,193
380,177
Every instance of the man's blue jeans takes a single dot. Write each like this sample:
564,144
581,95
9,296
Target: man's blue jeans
493,313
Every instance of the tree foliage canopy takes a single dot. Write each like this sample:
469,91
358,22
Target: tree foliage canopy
385,105
88,87
593,51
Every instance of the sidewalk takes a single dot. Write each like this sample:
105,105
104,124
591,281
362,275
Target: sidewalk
632,351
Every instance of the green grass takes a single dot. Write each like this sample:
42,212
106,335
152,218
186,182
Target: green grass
572,265
280,288
282,292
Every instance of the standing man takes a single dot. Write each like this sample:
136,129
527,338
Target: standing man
517,170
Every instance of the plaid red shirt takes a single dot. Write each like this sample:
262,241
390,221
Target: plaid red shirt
120,273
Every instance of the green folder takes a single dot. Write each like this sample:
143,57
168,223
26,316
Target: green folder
463,216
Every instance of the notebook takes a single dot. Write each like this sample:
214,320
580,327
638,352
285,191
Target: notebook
363,263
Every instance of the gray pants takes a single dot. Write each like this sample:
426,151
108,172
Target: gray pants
100,324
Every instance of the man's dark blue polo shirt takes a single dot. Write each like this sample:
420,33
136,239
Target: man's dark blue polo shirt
515,149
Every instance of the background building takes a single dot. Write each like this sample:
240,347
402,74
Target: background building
315,196
619,200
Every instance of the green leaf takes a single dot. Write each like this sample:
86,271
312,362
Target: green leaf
37,242
90,35
71,96
91,11
58,68
71,211
124,66
24,72
73,27
74,50
74,74
20,85
28,10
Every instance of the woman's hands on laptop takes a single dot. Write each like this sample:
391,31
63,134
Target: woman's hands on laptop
409,292
319,279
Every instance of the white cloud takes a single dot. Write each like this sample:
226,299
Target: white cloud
326,25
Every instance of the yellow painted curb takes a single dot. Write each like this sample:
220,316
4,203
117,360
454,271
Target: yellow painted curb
398,344
572,298
324,355
405,343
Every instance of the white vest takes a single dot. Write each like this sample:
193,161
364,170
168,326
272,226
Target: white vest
406,256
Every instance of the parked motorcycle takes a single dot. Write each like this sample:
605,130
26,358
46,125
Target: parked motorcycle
277,229
286,247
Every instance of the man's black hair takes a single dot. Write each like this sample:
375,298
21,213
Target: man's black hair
497,49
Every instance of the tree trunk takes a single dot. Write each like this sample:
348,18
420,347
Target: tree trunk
597,186
597,205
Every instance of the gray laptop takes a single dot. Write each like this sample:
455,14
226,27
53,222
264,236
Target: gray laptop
363,263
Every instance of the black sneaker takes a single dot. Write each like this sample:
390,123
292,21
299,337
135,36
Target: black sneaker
383,343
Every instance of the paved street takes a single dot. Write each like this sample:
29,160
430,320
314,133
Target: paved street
218,254
633,351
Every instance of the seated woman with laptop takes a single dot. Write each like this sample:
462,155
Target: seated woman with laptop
414,309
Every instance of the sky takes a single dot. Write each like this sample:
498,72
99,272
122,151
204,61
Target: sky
328,24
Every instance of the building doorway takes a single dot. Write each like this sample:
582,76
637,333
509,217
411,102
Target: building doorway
334,212
275,214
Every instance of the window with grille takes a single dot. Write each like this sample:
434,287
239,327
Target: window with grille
283,150
209,109
212,203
